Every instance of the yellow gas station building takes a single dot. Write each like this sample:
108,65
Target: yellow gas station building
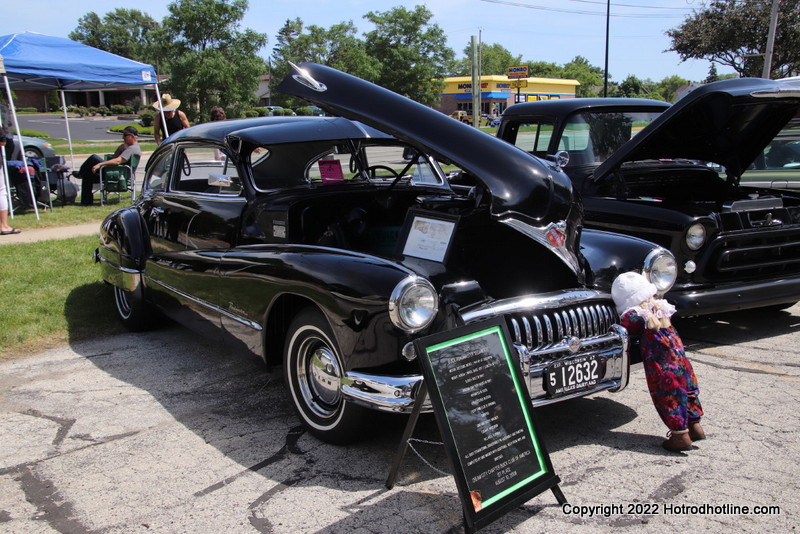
499,92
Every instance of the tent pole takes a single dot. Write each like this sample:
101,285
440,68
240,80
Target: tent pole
34,199
66,122
7,183
161,110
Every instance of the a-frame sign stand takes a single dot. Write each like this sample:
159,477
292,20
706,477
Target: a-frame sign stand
486,421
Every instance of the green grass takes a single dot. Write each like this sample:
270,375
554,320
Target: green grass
52,293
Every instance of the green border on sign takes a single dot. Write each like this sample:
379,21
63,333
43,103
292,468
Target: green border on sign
524,403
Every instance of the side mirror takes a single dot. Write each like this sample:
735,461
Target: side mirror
560,158
219,180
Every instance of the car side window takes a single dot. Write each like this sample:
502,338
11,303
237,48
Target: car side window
158,173
534,137
206,169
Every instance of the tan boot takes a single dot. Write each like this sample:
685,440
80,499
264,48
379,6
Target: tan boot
696,432
678,441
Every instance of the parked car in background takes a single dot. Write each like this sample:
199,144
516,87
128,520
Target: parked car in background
35,148
778,165
462,116
671,175
315,111
314,244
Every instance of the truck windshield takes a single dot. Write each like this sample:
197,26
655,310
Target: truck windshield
590,137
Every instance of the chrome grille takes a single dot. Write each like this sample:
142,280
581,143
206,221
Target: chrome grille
540,329
734,256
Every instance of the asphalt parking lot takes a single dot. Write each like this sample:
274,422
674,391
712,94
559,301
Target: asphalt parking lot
167,433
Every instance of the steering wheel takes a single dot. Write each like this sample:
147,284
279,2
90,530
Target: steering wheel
186,167
372,171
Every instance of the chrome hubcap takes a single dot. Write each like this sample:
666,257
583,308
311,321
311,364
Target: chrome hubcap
324,375
319,376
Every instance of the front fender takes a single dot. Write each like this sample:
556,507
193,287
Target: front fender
124,248
608,254
264,283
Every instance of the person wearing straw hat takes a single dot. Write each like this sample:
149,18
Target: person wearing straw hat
174,118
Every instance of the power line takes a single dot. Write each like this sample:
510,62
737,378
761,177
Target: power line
583,12
597,2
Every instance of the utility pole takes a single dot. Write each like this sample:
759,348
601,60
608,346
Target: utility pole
608,24
773,25
476,82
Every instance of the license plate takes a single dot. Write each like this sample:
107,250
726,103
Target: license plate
568,376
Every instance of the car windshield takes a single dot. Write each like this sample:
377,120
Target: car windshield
338,162
783,152
591,137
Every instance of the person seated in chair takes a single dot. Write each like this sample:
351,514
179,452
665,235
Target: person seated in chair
90,169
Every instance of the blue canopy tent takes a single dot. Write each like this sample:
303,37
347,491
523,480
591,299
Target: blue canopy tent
36,61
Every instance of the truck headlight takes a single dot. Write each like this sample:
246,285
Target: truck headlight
413,304
661,269
695,236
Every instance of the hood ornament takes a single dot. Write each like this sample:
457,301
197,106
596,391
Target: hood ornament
304,77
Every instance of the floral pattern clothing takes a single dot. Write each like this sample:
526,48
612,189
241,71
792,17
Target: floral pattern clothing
670,377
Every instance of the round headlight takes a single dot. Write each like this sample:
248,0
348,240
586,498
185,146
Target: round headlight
413,304
661,269
695,236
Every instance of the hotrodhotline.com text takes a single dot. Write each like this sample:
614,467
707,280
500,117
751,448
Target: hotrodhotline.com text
643,508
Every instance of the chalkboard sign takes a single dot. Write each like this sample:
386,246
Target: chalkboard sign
486,420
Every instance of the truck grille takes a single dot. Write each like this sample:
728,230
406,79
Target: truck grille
760,253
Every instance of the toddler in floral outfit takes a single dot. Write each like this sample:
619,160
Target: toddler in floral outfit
670,378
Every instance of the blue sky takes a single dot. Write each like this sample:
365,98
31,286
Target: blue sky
538,30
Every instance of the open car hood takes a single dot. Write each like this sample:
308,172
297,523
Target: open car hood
520,184
727,122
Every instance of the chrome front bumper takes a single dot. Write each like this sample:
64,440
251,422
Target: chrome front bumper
398,394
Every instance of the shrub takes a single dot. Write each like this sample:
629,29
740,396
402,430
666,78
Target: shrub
262,112
103,111
34,133
304,111
118,109
143,130
27,110
146,118
251,113
281,112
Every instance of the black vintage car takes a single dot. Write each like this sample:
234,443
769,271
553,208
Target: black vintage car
314,243
671,175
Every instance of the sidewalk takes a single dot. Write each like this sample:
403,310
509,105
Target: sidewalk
56,232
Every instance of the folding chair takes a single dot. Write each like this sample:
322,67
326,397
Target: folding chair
118,179
26,179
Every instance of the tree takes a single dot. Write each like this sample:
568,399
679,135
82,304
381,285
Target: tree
128,33
495,60
734,33
412,53
712,74
544,69
587,74
336,47
633,87
667,89
211,62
